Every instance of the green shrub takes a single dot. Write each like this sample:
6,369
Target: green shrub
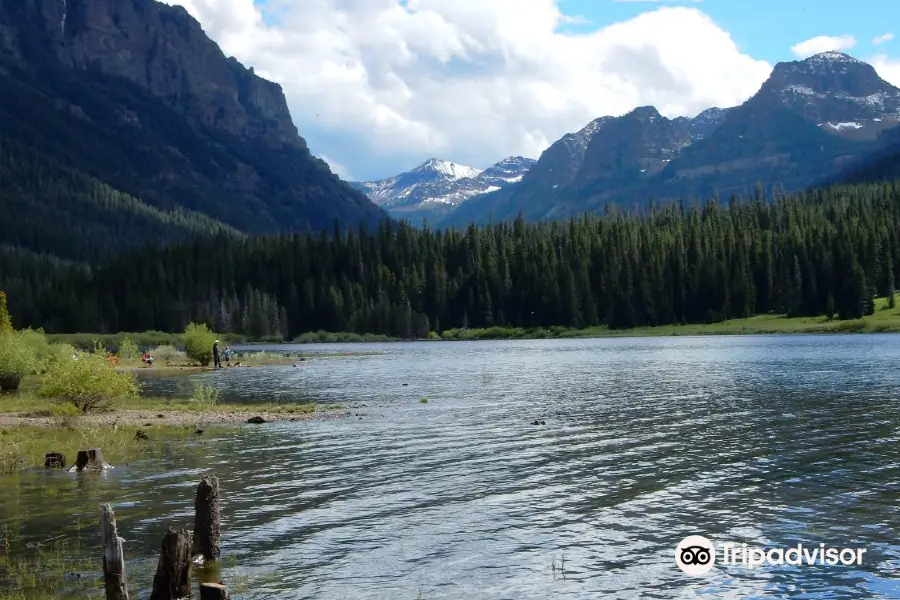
167,353
64,409
17,359
88,383
198,343
128,350
205,395
43,352
5,319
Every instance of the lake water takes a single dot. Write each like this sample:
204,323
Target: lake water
767,441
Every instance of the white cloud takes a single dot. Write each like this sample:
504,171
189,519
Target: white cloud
823,43
888,69
881,39
337,168
379,86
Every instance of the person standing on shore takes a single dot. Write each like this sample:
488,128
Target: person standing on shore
216,361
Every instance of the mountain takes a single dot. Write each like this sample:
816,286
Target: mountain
437,187
810,120
133,95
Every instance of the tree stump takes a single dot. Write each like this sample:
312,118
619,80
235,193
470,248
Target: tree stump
173,574
89,460
9,382
206,519
54,460
113,558
213,591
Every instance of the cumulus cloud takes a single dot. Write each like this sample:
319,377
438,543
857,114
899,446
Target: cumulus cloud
888,69
823,43
381,85
881,39
337,168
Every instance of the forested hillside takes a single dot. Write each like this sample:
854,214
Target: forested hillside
122,123
48,207
821,252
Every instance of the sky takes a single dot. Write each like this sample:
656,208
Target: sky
377,87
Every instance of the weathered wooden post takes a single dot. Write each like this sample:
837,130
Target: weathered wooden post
213,591
91,460
206,519
54,460
113,557
173,574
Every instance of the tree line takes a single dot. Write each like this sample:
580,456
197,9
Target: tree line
822,252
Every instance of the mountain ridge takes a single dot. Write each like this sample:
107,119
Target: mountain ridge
437,186
133,94
811,119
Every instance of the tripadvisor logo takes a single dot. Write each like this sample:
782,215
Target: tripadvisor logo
696,555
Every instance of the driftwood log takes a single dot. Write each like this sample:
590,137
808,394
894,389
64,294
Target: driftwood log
54,460
113,558
213,591
173,574
89,460
206,519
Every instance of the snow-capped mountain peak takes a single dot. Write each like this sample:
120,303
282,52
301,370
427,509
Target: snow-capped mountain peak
841,94
438,185
446,168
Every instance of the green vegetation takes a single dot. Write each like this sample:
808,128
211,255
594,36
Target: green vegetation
17,359
806,255
88,383
5,320
328,337
24,446
128,350
40,574
198,343
205,396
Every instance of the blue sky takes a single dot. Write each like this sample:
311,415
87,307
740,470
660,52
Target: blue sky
766,29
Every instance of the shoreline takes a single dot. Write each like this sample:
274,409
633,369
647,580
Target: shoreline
167,418
884,320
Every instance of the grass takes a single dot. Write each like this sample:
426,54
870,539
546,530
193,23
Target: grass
41,574
24,446
885,320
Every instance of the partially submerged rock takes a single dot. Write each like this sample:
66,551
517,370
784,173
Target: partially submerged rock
256,420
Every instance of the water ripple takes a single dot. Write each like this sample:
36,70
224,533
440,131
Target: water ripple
763,440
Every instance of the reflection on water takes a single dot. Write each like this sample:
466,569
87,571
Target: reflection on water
763,440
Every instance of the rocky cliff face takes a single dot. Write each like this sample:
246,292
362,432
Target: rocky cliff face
134,94
160,48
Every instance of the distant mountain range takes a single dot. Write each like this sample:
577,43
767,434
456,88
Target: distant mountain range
818,120
436,187
811,122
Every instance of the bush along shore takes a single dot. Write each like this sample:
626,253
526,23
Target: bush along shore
885,318
56,399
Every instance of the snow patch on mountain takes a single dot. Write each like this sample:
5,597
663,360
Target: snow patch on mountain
442,184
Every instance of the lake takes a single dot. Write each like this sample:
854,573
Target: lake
763,440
